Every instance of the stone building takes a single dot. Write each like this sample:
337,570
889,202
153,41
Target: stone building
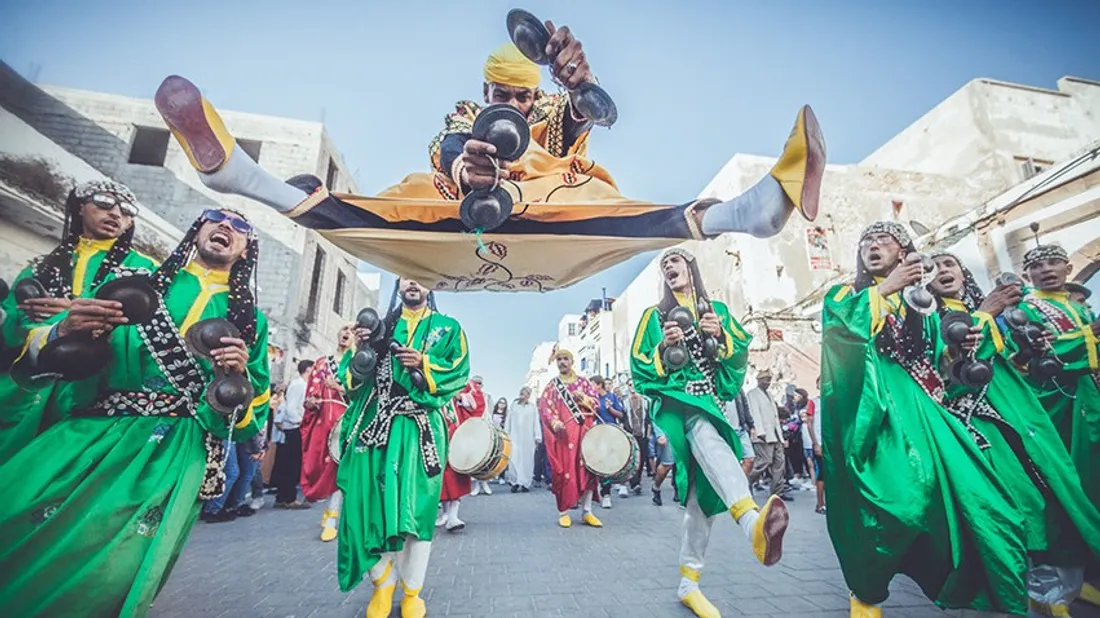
972,147
307,287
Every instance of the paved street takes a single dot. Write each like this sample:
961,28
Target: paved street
513,560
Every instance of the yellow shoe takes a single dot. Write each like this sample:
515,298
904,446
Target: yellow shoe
412,606
591,520
381,602
802,164
863,610
1089,594
1048,609
328,533
767,534
697,603
195,123
565,521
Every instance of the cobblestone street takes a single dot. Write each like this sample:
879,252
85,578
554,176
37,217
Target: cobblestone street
513,560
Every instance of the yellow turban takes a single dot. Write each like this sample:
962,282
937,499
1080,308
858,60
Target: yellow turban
508,66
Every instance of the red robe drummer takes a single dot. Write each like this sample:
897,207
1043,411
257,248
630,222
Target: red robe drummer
325,406
568,409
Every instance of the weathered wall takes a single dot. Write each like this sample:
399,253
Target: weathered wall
100,129
980,130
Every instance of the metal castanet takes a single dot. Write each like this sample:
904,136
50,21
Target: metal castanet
530,36
507,130
918,296
136,294
676,356
227,393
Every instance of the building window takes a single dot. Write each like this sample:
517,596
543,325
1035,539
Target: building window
572,329
1033,167
332,175
150,146
315,285
338,298
251,147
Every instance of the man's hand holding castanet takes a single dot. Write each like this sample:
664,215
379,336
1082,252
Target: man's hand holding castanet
711,324
478,166
91,315
905,274
40,309
673,334
1001,297
408,357
569,66
233,357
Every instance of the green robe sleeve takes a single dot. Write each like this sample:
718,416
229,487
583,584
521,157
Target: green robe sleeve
446,366
733,355
645,354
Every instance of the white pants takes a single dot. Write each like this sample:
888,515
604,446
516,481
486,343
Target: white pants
410,565
723,471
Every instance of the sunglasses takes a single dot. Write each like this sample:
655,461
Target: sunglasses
107,201
217,216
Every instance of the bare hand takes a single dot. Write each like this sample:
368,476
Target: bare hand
568,63
1001,297
817,450
557,427
42,308
970,344
91,315
233,357
673,334
333,384
662,441
362,335
258,456
905,274
409,357
480,169
1096,328
711,324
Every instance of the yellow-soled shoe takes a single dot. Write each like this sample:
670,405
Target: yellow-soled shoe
381,602
565,521
1089,594
328,533
801,166
767,533
699,605
591,520
412,606
1055,610
195,123
859,609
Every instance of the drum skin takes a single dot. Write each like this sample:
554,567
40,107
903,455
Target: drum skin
610,453
479,449
334,440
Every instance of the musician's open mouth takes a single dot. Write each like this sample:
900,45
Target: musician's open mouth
220,238
945,280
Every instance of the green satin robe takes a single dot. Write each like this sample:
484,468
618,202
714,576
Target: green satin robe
1074,403
673,406
1062,527
27,409
388,494
97,509
909,490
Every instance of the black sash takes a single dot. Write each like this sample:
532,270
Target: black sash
393,401
570,403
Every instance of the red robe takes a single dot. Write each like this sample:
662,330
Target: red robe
570,477
456,486
318,469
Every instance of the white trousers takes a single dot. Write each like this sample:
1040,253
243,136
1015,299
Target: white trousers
410,565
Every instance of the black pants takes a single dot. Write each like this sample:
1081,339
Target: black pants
643,449
288,466
542,464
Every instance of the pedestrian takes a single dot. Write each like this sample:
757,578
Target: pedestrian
288,461
524,428
768,443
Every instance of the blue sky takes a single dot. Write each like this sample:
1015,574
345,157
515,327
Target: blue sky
695,83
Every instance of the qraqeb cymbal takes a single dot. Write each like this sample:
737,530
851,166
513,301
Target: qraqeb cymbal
530,36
